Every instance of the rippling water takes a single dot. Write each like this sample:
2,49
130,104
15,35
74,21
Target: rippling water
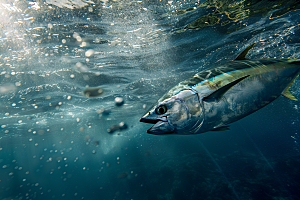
57,143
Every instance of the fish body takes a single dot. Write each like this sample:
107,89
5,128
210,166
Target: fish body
216,97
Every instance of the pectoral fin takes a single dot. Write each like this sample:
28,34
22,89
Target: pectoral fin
218,94
287,93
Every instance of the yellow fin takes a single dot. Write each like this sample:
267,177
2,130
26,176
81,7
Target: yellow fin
287,93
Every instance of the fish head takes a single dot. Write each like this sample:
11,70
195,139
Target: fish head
180,114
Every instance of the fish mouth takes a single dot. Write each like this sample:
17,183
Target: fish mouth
149,121
160,127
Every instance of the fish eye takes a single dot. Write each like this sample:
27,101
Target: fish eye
161,110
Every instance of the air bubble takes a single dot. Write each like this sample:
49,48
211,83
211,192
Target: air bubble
119,101
89,53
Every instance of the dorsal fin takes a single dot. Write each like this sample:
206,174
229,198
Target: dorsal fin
242,55
218,94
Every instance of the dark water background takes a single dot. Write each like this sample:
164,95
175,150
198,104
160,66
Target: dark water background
54,142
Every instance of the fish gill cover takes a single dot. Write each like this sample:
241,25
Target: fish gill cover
77,75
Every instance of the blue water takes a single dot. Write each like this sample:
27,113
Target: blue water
55,143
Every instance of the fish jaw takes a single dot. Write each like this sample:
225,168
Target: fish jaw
161,125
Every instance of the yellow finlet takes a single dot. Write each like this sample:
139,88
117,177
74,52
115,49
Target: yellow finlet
287,93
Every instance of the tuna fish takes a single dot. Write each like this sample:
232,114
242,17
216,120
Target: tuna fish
216,97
